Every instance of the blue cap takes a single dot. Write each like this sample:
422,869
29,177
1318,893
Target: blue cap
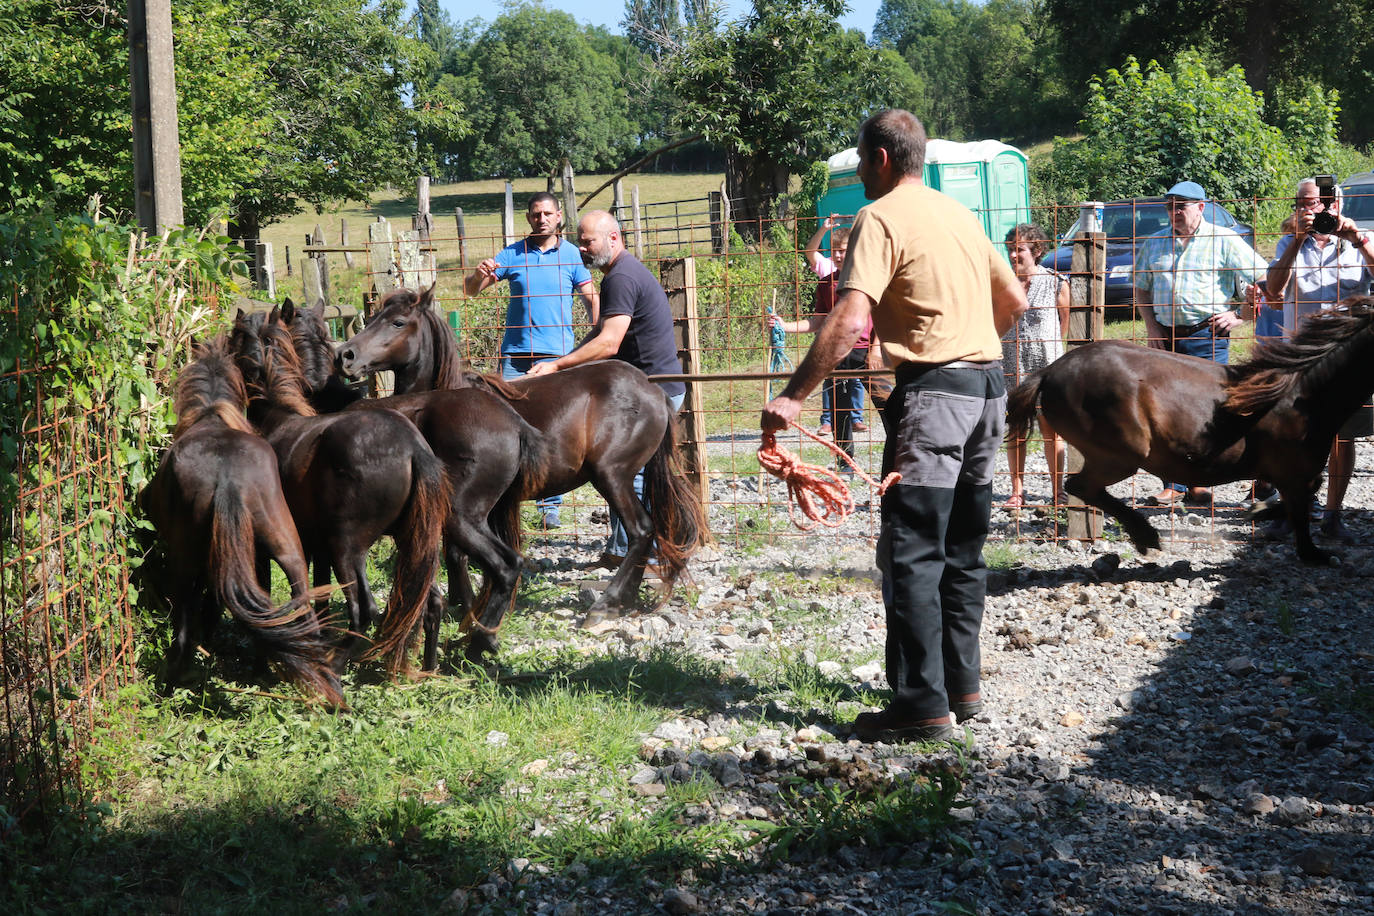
1187,190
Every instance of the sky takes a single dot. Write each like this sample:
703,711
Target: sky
609,12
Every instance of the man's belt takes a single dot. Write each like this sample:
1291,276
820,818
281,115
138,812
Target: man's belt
908,371
1188,330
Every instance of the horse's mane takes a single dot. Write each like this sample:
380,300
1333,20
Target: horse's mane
1313,355
285,385
448,365
311,341
492,382
211,386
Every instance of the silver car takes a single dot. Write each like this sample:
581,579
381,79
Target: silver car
1359,199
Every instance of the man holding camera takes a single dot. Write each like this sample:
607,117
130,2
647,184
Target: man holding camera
1325,260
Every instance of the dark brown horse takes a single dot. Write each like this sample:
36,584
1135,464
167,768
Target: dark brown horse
350,479
603,421
1127,407
216,501
493,460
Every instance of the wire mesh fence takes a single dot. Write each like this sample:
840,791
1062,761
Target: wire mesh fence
765,271
66,634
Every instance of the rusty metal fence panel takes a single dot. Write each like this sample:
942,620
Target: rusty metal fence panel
66,631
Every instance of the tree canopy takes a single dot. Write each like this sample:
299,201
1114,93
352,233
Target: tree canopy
779,89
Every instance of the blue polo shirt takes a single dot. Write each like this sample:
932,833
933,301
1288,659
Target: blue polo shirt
539,318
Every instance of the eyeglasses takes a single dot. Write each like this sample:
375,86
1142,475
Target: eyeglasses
1177,204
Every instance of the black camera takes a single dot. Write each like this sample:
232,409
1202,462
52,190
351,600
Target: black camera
1325,222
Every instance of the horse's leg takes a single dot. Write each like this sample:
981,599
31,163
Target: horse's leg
1090,485
460,594
434,616
623,589
1296,501
350,567
500,565
189,599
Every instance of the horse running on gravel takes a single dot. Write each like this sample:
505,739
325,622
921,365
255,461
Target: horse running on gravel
1127,407
603,421
350,479
493,459
215,501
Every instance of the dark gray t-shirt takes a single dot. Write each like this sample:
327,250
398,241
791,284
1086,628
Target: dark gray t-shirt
629,289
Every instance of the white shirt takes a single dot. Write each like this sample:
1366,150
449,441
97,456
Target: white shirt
1322,277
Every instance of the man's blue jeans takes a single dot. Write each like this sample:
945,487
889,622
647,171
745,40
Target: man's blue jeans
1204,343
619,543
512,367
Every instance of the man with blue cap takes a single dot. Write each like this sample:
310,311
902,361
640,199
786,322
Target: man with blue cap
1190,279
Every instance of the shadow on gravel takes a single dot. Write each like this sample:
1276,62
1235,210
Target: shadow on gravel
1238,777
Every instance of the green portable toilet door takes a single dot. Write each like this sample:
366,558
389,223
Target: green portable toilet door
964,182
1008,196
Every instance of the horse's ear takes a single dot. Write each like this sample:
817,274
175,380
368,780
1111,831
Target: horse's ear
288,311
274,316
427,296
238,318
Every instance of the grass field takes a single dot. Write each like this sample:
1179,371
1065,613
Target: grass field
481,201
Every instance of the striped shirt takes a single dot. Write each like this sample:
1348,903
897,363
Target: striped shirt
1191,278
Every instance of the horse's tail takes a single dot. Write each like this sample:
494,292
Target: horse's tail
679,522
417,534
1021,405
290,635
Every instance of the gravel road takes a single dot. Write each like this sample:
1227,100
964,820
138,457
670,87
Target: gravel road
1184,733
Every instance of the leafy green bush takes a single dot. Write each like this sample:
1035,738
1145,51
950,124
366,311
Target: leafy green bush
1146,128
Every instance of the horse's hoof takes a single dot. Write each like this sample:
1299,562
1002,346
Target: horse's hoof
596,617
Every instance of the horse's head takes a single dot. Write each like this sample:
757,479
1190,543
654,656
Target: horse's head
313,343
245,345
395,337
210,385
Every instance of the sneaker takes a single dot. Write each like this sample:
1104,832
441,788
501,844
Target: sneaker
1260,504
550,519
859,426
824,430
1333,528
967,709
1278,528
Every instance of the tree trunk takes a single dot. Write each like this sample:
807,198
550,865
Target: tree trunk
244,229
753,184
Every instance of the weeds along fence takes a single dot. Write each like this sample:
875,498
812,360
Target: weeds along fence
92,326
66,638
724,285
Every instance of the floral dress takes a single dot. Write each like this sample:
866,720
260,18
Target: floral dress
1036,340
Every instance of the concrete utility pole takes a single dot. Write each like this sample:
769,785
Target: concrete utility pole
152,80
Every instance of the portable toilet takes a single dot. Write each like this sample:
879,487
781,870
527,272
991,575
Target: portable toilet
988,177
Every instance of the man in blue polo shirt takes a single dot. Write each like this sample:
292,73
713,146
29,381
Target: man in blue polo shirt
543,270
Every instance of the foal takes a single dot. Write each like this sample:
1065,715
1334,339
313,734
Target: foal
214,501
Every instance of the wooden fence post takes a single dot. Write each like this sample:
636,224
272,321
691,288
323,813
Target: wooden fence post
422,225
288,260
343,242
315,271
156,148
381,267
1086,304
679,279
569,196
618,199
462,239
508,216
264,270
720,220
639,228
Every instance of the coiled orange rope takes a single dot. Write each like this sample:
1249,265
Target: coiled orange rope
822,495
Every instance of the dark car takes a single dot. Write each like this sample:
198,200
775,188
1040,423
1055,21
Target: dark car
1359,199
1127,223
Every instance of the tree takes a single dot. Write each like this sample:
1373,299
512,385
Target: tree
537,91
779,89
989,69
281,104
1278,42
1146,128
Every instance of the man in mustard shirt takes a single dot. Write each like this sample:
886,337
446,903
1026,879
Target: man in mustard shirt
940,296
